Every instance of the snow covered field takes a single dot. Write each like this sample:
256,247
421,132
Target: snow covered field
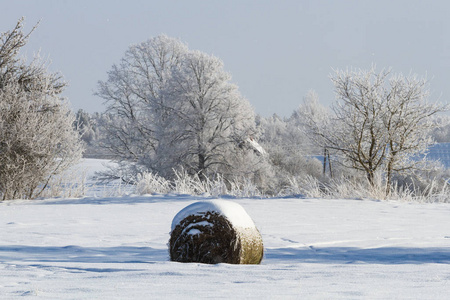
116,248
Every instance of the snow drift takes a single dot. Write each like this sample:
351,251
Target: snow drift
213,232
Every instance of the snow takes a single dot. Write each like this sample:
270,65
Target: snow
116,248
232,211
256,146
89,168
195,231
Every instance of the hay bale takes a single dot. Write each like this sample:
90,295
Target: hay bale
214,232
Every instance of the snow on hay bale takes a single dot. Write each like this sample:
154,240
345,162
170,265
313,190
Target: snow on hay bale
213,232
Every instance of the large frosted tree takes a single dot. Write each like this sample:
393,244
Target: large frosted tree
379,121
173,107
37,140
134,97
209,118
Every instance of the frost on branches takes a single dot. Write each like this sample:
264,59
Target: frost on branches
378,123
37,140
174,108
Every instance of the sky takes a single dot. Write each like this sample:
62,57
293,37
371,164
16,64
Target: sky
276,51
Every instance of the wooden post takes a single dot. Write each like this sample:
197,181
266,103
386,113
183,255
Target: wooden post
329,164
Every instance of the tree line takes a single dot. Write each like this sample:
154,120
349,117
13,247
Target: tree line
170,108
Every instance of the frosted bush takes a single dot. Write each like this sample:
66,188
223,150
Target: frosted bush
244,188
149,183
184,183
70,184
308,186
37,140
361,188
188,184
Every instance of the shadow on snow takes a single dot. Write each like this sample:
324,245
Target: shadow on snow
383,255
76,254
133,199
145,255
120,200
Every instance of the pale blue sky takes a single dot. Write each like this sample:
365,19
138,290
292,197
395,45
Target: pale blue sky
275,50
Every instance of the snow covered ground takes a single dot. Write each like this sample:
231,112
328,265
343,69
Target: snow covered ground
116,248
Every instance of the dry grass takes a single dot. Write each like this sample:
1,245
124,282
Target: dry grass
345,188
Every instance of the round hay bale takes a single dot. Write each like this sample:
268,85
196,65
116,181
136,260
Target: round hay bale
214,232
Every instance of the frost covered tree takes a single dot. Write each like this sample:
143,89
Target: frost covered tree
37,140
172,107
134,98
208,117
83,123
289,149
379,122
441,134
312,118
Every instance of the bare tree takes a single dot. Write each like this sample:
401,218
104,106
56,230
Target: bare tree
37,140
408,122
378,123
359,132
